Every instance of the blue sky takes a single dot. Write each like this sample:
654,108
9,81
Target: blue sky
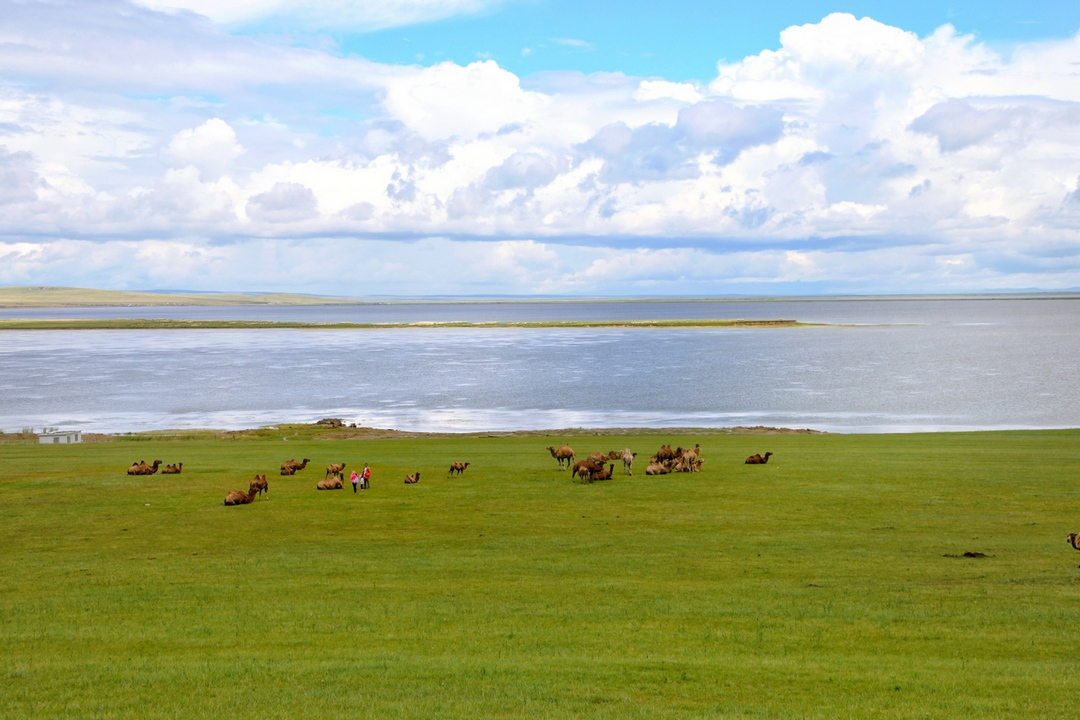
540,147
680,39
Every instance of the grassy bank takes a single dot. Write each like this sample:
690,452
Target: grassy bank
167,324
829,583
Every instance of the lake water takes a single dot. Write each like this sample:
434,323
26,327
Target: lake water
898,365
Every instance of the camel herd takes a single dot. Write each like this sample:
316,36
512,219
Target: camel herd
142,468
595,467
666,460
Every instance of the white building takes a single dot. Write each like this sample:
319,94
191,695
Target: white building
51,435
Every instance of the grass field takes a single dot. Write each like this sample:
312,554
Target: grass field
830,583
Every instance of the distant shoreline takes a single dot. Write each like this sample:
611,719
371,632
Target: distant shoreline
168,324
40,297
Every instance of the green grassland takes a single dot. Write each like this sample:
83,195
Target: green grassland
829,583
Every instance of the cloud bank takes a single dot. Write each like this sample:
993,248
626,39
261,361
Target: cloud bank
144,147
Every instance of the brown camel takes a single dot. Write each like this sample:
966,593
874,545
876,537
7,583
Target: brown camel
563,453
289,467
603,474
1074,540
172,469
141,468
758,459
239,497
335,470
585,468
413,478
458,468
333,483
259,485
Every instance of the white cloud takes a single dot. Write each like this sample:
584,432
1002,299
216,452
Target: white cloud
851,144
210,147
326,14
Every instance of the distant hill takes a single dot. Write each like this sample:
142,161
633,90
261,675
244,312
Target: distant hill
45,296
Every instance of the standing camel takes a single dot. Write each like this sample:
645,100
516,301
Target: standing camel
259,485
564,453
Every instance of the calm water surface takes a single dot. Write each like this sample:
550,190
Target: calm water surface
904,365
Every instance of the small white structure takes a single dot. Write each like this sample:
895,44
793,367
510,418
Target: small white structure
49,436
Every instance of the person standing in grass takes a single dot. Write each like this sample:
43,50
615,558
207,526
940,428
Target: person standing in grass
354,479
365,477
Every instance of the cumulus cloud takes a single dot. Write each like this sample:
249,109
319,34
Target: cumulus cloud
19,182
210,147
285,202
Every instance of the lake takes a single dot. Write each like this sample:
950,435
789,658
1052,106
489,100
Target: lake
888,365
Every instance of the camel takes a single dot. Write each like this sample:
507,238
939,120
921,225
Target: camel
603,474
335,470
259,485
333,483
289,467
758,459
458,467
141,468
585,468
687,462
172,469
665,453
413,478
564,452
1074,540
239,497
656,469
597,457
628,460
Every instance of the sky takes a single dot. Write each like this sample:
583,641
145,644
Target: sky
540,147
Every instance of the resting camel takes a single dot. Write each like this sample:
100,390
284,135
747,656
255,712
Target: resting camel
335,470
413,478
656,469
259,485
289,467
564,453
141,468
239,497
585,468
457,467
1074,540
333,483
758,459
603,474
172,469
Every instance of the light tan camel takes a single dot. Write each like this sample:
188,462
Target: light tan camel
259,485
289,467
413,478
141,468
565,453
172,469
333,483
239,497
